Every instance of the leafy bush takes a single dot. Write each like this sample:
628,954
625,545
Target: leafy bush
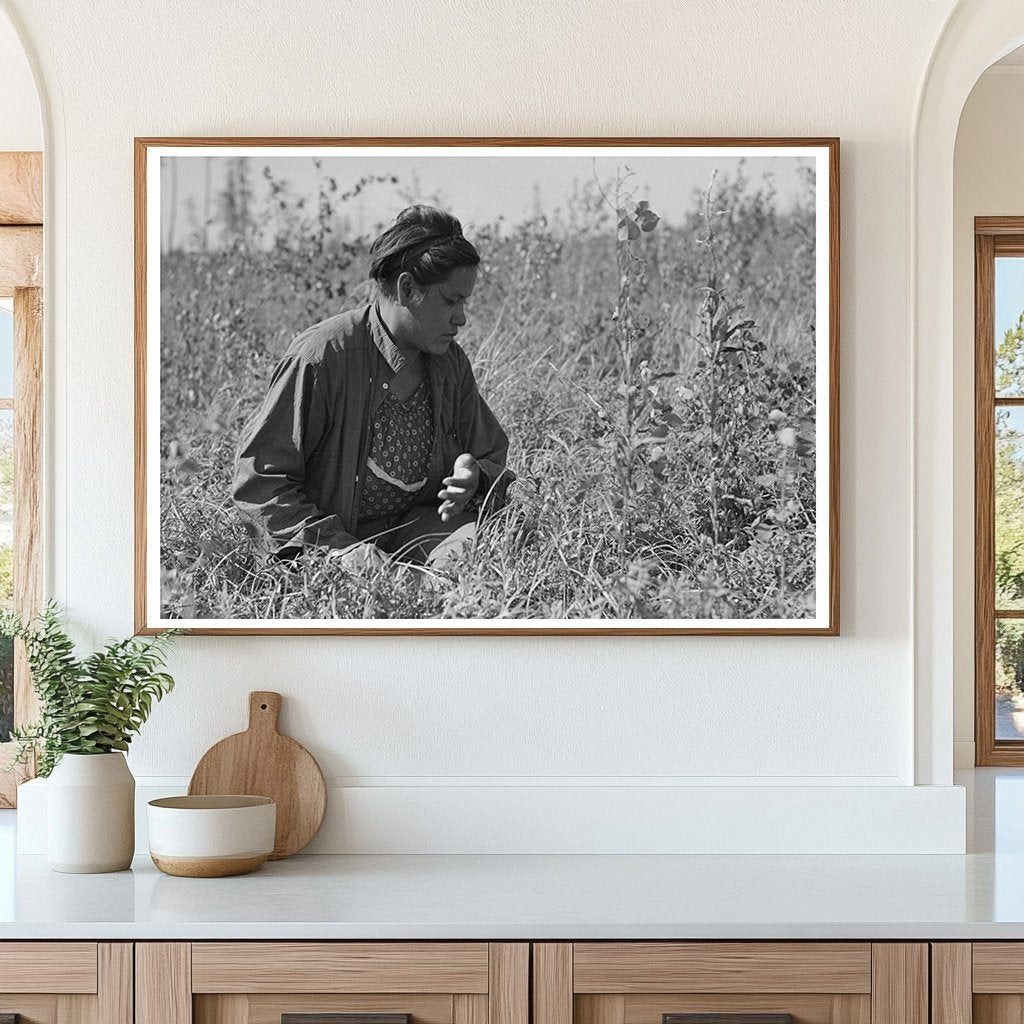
89,705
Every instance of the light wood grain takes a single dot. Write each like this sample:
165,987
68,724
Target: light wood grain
28,483
951,983
991,1008
260,1008
21,259
339,967
899,993
226,1009
467,1009
805,1008
34,1008
998,967
144,143
262,762
66,967
509,983
604,1009
634,967
163,983
76,1009
115,1002
21,188
552,983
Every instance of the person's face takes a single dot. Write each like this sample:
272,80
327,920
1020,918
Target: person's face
437,311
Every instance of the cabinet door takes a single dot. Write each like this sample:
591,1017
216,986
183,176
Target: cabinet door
981,982
730,983
332,983
66,982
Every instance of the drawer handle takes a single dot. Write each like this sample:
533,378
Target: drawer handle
340,1018
727,1018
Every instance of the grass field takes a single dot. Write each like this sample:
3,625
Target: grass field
657,383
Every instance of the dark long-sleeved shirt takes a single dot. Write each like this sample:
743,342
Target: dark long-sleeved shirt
302,458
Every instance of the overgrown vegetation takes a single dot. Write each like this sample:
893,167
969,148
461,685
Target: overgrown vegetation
657,383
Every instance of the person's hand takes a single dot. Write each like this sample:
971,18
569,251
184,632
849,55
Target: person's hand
360,556
459,488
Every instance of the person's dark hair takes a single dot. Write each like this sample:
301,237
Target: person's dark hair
426,242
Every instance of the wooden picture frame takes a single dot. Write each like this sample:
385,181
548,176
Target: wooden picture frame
768,563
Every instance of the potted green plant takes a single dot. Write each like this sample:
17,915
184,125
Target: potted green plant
90,707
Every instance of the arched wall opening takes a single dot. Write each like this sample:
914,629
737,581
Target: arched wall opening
976,34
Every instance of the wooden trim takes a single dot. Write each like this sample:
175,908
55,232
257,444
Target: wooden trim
69,968
635,967
984,501
899,983
552,983
21,259
951,983
997,967
508,989
163,983
1008,402
606,1009
469,1009
28,481
339,967
21,188
443,628
999,226
115,983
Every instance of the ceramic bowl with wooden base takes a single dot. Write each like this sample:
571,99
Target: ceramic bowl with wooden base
211,836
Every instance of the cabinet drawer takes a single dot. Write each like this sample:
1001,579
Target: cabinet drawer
730,983
65,967
332,983
66,982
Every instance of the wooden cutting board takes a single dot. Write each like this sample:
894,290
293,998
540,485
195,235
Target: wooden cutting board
262,762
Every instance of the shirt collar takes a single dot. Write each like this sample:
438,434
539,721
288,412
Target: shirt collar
383,340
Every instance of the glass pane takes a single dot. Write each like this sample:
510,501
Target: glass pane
6,567
1009,539
1009,679
6,353
1009,338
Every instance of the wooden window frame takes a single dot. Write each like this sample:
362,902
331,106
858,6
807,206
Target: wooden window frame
21,278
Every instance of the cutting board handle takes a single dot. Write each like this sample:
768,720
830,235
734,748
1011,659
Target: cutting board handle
264,710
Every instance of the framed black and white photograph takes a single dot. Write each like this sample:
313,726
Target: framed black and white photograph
571,386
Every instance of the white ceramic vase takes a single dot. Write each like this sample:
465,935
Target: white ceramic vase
90,814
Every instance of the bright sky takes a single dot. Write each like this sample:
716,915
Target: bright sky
6,354
1009,293
479,189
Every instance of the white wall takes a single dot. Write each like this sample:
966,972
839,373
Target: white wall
447,713
987,182
21,127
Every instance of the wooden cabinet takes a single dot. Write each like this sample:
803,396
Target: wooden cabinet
264,982
978,982
66,982
512,983
755,982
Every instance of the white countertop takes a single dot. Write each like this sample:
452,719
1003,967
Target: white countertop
518,897
976,896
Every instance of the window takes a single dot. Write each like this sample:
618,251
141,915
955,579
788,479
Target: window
999,490
21,251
